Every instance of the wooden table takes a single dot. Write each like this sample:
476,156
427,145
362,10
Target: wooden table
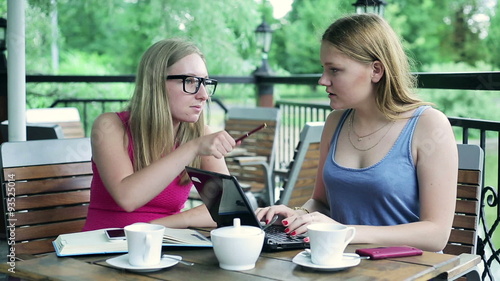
270,266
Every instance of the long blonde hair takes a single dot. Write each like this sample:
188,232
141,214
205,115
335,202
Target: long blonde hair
367,38
150,121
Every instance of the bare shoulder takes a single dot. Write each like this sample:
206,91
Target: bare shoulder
333,119
432,117
331,123
433,124
107,121
106,127
434,132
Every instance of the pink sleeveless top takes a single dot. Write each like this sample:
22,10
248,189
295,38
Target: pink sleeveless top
105,213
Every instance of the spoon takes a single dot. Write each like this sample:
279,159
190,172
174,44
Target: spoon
177,259
307,253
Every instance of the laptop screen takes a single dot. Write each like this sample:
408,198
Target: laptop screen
223,197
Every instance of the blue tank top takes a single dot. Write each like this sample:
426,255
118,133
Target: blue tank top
385,193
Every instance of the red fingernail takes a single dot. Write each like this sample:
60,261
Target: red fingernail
287,230
293,233
306,240
285,223
267,221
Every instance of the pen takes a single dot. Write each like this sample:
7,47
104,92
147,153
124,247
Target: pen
251,132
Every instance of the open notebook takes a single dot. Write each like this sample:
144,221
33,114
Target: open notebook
96,242
225,200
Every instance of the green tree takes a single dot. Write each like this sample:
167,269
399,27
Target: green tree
439,31
37,43
297,40
120,31
491,41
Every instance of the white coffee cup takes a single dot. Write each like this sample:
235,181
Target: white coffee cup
144,242
328,242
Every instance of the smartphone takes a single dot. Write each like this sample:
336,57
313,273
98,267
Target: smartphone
115,234
388,252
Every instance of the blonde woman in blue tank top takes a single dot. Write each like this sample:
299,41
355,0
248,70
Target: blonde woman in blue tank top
389,161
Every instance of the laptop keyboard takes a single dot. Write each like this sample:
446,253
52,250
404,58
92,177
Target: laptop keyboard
277,234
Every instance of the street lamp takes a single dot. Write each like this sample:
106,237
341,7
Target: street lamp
370,6
264,35
265,91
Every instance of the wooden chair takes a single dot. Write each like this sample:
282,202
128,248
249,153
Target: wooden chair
35,131
464,233
45,191
66,117
301,175
463,238
255,168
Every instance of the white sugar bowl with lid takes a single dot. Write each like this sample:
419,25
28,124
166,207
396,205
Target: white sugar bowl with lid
237,247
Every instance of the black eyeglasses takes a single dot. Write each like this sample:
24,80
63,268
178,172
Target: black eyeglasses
192,84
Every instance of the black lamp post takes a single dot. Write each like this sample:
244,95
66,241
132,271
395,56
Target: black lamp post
370,6
264,35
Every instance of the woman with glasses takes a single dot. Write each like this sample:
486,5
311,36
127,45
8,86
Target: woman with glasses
139,155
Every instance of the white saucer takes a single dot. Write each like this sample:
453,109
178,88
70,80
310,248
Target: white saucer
304,259
122,262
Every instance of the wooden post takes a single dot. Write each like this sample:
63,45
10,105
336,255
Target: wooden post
265,91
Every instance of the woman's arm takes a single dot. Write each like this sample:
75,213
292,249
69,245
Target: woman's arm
194,217
319,201
198,216
130,189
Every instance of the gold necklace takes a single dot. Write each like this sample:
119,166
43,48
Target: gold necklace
366,149
360,138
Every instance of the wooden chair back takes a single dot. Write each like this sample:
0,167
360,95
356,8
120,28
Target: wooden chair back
45,191
35,131
255,167
299,183
66,117
464,233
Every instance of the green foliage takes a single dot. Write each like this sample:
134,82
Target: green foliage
440,31
463,103
491,41
297,39
118,31
125,29
38,41
107,37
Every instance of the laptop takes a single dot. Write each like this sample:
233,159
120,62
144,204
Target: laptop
226,200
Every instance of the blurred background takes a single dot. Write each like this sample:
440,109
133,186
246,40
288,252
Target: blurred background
108,37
